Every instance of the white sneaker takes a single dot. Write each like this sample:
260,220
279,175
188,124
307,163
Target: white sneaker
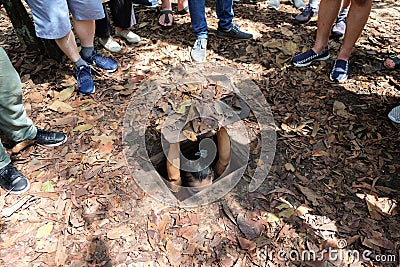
128,35
110,44
394,114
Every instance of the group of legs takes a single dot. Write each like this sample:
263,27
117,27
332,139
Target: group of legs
356,19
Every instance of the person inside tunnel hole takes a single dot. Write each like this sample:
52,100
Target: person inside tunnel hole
199,167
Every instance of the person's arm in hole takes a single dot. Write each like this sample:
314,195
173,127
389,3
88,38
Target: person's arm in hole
173,164
224,151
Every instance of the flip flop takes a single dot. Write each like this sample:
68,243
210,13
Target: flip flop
184,11
396,61
166,14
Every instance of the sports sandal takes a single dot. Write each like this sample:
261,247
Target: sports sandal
395,60
167,21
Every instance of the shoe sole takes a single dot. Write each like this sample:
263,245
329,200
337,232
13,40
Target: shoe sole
196,61
109,71
308,63
122,37
88,93
56,144
22,191
338,81
235,38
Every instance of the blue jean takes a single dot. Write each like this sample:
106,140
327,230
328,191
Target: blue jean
197,10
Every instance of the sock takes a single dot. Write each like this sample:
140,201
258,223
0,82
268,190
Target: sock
87,51
80,62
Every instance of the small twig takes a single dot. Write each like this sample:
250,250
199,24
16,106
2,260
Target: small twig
373,185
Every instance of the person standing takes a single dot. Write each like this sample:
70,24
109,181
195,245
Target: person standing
356,19
226,27
123,15
311,10
51,19
15,124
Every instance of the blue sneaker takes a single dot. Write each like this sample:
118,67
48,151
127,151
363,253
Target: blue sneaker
340,71
102,62
85,80
146,3
308,57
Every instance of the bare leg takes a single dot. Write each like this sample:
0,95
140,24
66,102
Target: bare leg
68,45
327,14
182,4
346,4
85,30
224,151
173,165
356,20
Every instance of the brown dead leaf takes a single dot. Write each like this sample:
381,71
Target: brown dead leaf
173,254
21,146
36,97
190,135
189,232
251,229
122,231
61,107
310,194
340,109
286,32
66,93
289,167
246,244
107,148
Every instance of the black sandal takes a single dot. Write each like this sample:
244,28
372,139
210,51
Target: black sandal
396,61
166,14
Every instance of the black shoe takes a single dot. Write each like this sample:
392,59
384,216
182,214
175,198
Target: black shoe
308,57
49,138
234,32
12,180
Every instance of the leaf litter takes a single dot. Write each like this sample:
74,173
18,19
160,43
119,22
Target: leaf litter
334,177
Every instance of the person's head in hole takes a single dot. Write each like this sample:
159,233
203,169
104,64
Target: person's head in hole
196,172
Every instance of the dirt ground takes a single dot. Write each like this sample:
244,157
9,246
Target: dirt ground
333,187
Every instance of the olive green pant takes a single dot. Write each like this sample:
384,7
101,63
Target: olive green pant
13,120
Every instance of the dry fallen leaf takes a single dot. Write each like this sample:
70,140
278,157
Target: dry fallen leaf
60,106
65,94
83,127
246,244
122,231
44,230
190,135
289,167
